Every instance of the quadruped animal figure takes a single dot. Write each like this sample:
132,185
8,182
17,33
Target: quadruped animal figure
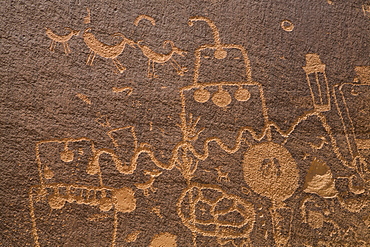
155,57
61,39
104,50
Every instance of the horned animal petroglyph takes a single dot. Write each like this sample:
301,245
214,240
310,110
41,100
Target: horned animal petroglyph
155,57
104,50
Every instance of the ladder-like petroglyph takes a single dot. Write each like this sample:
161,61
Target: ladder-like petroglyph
318,83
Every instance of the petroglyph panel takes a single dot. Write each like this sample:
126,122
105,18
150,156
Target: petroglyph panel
185,123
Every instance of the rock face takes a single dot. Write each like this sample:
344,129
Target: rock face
185,123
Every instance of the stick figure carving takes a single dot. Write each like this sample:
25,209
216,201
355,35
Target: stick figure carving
61,39
155,57
104,50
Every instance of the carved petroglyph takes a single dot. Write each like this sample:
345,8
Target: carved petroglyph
55,38
366,9
103,120
222,175
144,17
66,155
58,194
154,57
349,98
84,98
318,83
319,180
87,19
209,211
321,145
330,2
104,50
127,167
220,52
132,237
287,25
221,98
120,200
363,73
271,171
148,186
124,200
270,167
165,239
157,211
123,89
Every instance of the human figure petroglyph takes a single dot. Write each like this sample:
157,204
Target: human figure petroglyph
104,50
155,57
55,38
347,98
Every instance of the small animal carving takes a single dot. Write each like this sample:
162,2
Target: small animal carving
61,39
104,50
222,175
148,186
155,57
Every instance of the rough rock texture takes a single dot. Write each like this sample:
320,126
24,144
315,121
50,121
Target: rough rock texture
185,123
